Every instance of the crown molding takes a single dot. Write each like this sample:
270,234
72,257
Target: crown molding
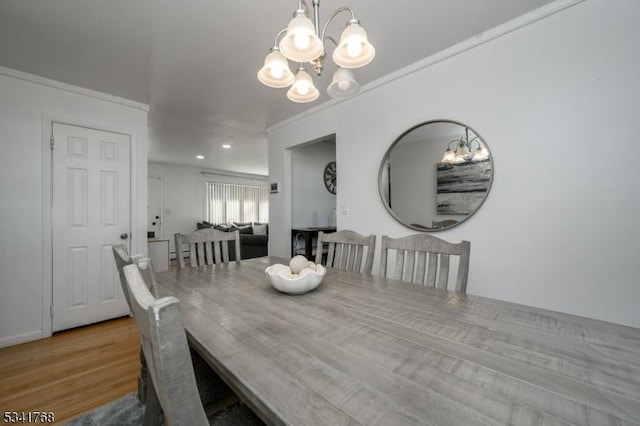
20,75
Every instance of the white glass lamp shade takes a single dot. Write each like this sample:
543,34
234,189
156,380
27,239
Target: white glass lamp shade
480,154
449,156
303,89
354,49
462,153
343,84
301,44
275,72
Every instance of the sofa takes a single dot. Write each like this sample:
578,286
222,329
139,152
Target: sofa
254,238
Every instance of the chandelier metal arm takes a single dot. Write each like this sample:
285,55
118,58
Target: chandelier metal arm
302,5
330,39
465,141
276,41
333,15
318,63
316,15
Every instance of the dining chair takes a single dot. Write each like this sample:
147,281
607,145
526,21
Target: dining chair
424,259
164,342
211,388
347,249
122,259
174,391
206,247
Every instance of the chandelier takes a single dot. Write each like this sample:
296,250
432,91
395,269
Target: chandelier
302,42
463,153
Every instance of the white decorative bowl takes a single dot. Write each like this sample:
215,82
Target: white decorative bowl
283,280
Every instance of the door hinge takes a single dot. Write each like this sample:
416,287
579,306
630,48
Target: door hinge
51,311
52,142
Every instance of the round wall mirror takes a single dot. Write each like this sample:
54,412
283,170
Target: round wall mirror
435,175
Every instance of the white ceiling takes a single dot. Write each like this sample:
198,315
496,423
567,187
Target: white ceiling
195,61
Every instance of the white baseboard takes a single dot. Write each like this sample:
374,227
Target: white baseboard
20,338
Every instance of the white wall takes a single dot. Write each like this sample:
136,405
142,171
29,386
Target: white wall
27,104
557,100
312,203
183,194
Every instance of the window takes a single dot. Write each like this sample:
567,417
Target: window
227,202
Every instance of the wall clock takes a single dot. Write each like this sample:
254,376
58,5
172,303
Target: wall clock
329,177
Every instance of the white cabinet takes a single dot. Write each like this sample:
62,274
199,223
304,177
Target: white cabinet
159,254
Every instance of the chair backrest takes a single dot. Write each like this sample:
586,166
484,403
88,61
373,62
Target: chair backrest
422,258
206,246
122,258
347,250
146,270
165,347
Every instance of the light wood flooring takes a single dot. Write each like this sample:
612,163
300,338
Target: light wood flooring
72,372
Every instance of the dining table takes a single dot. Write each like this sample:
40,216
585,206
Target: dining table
364,349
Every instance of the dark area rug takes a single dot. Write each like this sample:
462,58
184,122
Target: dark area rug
128,410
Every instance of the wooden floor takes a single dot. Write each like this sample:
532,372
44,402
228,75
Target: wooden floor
72,372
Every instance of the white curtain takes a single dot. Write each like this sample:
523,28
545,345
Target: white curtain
227,202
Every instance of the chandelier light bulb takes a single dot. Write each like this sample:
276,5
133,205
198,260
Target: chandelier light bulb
449,156
480,154
463,149
343,85
303,89
462,152
354,49
301,41
275,72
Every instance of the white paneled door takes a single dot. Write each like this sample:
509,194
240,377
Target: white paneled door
91,212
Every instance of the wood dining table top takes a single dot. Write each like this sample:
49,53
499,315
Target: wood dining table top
363,349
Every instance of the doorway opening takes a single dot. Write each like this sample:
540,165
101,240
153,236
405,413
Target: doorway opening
314,187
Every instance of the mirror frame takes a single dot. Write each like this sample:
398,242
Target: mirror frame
397,141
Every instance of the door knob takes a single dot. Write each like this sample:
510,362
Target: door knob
124,236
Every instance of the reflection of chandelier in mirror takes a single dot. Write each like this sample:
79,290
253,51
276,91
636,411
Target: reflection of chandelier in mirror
463,154
302,42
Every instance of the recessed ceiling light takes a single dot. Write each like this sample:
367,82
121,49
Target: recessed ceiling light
200,157
226,146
